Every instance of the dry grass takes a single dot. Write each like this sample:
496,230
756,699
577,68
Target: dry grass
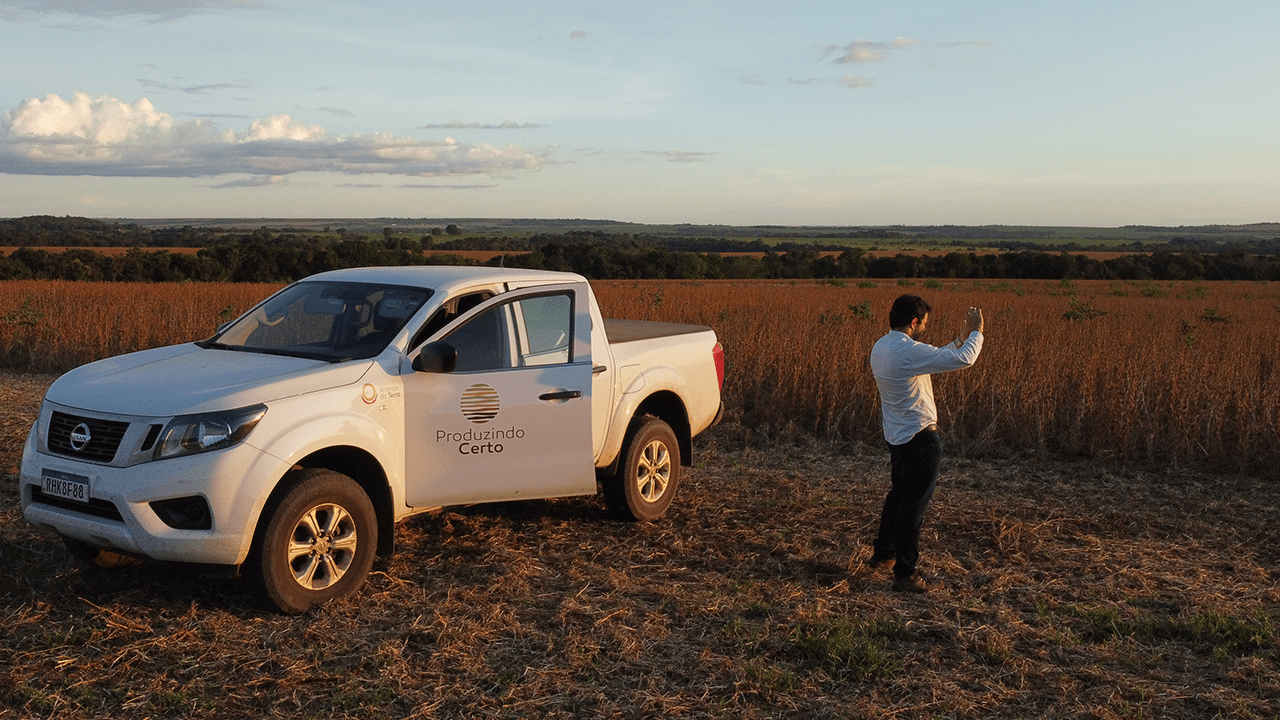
1178,375
55,325
1061,589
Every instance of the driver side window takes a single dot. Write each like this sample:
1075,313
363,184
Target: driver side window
482,342
450,310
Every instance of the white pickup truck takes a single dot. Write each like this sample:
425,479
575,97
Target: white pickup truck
288,445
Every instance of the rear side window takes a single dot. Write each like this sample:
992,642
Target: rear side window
546,325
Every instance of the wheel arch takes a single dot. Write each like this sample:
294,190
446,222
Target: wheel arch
669,408
362,467
665,405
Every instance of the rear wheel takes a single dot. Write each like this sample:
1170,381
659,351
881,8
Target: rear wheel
317,544
648,471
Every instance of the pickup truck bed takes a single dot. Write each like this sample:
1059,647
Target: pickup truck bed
622,331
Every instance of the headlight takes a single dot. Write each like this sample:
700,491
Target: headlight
189,434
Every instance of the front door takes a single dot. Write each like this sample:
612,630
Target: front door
513,419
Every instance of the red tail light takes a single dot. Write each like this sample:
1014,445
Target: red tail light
717,354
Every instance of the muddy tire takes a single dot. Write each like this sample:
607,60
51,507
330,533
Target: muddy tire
316,543
648,471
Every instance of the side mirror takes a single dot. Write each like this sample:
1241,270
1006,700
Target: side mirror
436,357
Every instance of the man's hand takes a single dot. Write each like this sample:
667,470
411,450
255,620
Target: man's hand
974,319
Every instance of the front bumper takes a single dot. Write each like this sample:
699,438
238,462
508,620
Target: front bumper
119,514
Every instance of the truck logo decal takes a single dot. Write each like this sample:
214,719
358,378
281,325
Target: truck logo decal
80,437
479,403
369,393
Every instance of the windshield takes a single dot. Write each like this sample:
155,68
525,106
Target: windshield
332,321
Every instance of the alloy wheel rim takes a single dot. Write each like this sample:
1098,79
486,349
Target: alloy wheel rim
654,471
322,546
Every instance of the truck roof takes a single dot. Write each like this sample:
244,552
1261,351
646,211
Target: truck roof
444,277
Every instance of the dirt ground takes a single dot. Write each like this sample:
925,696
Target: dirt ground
1058,589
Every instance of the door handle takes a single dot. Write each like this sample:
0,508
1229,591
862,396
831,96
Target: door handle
561,395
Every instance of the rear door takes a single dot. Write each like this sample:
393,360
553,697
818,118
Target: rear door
513,420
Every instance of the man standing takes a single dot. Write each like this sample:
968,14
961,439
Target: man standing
901,366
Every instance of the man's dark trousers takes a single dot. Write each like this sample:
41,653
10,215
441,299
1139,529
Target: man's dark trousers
914,473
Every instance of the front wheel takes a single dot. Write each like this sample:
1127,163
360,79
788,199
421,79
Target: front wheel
648,471
317,544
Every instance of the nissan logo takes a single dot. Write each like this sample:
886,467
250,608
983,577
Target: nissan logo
80,437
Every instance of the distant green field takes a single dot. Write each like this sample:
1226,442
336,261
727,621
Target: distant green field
918,236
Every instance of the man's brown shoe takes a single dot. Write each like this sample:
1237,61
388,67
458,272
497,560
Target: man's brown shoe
876,562
910,583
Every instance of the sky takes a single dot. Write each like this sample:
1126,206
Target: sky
1089,113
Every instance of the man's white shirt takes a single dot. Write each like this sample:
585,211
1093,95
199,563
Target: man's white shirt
901,367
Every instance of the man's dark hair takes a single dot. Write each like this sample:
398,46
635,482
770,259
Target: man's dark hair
907,308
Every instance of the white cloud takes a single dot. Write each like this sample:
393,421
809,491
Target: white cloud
865,51
862,51
189,89
106,137
868,51
101,121
459,125
255,181
420,186
967,43
680,156
280,127
158,10
855,82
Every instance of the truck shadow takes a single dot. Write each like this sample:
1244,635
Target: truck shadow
480,544
42,571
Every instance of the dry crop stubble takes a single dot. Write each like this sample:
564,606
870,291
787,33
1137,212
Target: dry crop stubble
1059,590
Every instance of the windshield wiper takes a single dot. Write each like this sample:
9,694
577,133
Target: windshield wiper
208,345
211,345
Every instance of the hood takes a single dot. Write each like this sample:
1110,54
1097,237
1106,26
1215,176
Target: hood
183,379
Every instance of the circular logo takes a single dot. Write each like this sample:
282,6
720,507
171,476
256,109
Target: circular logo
369,394
80,437
479,403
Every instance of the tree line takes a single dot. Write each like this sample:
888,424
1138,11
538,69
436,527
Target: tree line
262,256
69,231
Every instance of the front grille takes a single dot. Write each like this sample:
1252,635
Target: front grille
104,437
95,507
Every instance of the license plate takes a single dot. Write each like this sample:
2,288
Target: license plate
66,486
